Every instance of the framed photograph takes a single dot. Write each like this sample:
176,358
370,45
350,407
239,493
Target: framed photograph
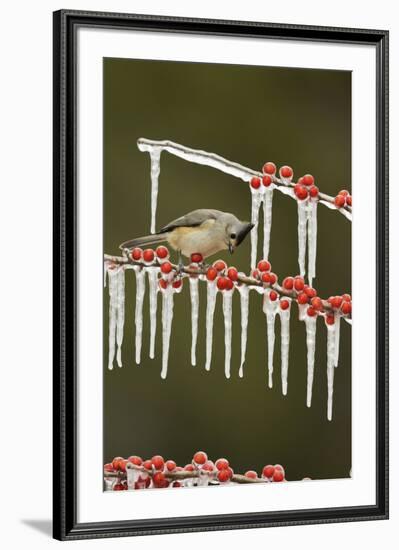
220,274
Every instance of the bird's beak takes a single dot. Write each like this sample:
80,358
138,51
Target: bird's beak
231,248
244,232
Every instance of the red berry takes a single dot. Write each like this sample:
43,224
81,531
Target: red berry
346,308
232,273
269,168
330,319
346,297
251,474
273,295
288,283
158,462
176,484
148,255
300,191
220,265
255,182
268,471
343,192
284,304
147,464
308,179
162,252
122,465
311,312
158,479
314,191
336,302
311,292
286,172
177,283
196,258
163,284
108,467
166,267
302,298
119,487
208,466
317,303
349,200
255,273
189,468
339,201
267,180
222,283
278,475
116,462
224,475
170,465
135,460
136,254
222,463
272,278
264,265
200,457
211,274
266,278
299,283
229,284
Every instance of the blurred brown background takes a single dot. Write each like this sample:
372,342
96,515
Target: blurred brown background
247,114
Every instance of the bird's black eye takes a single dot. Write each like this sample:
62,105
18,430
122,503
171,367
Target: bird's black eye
233,236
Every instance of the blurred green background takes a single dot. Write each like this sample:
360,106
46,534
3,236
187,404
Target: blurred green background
250,115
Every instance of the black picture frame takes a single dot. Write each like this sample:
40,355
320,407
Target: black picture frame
66,23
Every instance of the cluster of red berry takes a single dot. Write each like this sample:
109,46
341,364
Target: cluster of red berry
158,473
343,198
149,255
225,276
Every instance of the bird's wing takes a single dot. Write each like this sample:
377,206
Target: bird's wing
192,219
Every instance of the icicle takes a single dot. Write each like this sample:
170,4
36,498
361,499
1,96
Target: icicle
167,317
120,316
194,317
138,316
155,155
311,325
302,220
244,303
270,310
330,368
256,198
285,344
227,313
312,240
153,284
113,311
267,220
105,274
211,293
348,320
337,332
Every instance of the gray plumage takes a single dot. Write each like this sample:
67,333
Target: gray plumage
204,231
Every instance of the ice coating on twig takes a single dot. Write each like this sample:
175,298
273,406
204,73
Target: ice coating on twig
270,309
120,316
285,344
211,293
330,367
153,291
138,316
194,317
267,220
302,233
343,211
227,314
113,311
167,318
244,303
256,200
312,240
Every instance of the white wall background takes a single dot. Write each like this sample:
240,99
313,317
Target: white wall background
25,300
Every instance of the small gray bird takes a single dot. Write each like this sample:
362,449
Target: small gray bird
204,231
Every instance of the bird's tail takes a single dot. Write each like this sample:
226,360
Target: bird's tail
144,241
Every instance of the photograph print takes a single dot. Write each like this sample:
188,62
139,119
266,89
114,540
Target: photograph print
227,305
